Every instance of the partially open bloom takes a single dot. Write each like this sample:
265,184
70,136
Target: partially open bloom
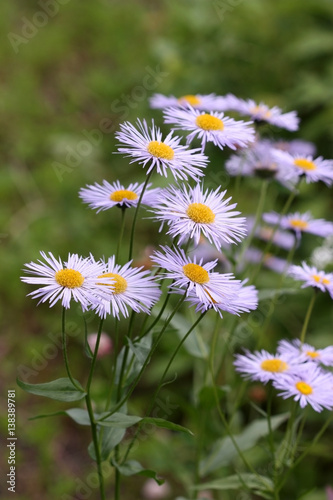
312,169
312,277
77,279
241,299
129,287
262,365
190,275
309,386
190,212
105,344
106,195
209,102
295,348
261,112
300,223
211,127
146,146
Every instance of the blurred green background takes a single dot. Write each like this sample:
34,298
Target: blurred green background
72,70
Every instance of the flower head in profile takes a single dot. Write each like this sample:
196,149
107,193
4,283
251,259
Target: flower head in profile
295,348
211,127
260,112
146,146
209,102
190,212
241,299
263,366
309,386
106,195
312,277
129,287
312,169
75,279
300,223
270,261
190,275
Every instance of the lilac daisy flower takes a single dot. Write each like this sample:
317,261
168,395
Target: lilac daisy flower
77,279
300,223
307,351
145,145
129,287
283,239
106,195
207,102
313,169
277,264
312,277
211,127
190,212
310,386
262,113
263,366
195,276
244,299
296,147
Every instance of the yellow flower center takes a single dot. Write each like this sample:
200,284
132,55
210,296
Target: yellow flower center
69,278
319,279
119,284
274,365
305,164
299,224
304,388
209,122
196,273
312,354
123,194
200,213
160,150
258,110
193,100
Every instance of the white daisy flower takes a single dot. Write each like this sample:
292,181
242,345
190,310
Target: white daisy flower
194,276
240,299
261,112
190,212
312,277
211,127
129,287
310,385
106,195
76,279
294,348
145,145
263,366
313,169
300,223
209,102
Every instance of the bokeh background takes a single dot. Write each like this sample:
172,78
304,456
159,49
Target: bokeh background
71,71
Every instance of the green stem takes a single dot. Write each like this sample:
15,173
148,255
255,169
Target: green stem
122,226
136,214
64,349
307,317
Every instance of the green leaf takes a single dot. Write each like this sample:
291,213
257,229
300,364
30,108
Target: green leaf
141,348
224,451
133,467
252,481
61,389
122,421
110,438
165,424
79,415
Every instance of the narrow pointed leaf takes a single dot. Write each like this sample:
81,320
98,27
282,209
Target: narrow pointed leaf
61,389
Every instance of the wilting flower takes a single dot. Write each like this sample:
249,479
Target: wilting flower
211,127
309,386
262,113
312,277
77,279
129,287
190,212
146,146
105,196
